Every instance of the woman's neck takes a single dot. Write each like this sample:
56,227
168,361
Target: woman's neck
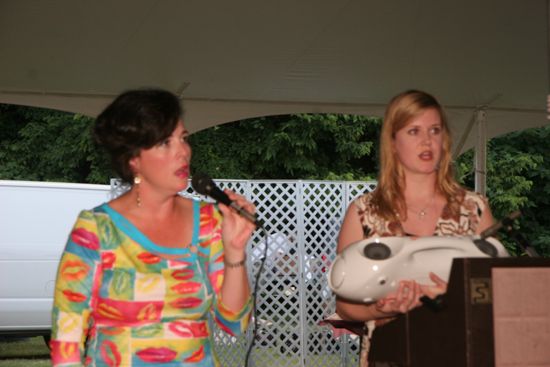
423,205
151,205
419,187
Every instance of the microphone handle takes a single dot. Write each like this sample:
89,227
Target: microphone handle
219,195
251,217
505,222
491,231
222,197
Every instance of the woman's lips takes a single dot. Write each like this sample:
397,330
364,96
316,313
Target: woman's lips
426,156
183,172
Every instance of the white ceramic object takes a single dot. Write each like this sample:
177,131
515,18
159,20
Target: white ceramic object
370,269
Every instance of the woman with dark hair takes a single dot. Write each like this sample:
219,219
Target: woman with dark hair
416,195
140,274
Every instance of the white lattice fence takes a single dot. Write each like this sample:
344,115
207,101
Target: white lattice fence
302,219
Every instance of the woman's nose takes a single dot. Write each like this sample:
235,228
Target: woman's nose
426,138
184,148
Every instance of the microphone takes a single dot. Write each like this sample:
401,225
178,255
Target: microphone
204,185
505,222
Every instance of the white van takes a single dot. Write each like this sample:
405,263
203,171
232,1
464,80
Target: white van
35,220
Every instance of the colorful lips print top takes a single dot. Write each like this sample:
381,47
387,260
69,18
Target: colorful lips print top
121,300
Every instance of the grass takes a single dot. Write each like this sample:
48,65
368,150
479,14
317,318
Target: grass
32,352
272,356
27,352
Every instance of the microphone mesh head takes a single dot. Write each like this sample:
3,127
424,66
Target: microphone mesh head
202,183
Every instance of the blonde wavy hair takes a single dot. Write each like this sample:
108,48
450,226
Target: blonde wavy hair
388,197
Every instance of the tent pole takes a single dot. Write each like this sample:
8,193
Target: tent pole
462,141
480,155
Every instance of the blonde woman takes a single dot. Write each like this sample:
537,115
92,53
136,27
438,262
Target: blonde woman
416,195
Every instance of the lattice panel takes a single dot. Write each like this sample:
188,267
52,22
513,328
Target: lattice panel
302,220
354,189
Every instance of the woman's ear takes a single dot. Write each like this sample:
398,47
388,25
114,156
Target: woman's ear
134,164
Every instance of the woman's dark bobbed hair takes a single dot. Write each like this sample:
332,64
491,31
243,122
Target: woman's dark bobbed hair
137,119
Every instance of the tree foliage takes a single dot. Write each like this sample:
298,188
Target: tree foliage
289,147
44,145
518,178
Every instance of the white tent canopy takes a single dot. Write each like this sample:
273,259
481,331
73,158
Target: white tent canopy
231,60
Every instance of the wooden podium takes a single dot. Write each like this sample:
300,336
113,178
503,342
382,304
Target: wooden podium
496,312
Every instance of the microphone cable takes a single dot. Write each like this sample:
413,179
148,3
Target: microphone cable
255,297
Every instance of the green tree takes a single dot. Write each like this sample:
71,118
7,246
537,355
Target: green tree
303,146
518,178
46,145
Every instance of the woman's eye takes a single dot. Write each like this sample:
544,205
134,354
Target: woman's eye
165,142
185,138
436,130
413,131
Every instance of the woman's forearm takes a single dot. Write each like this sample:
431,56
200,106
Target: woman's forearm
235,290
